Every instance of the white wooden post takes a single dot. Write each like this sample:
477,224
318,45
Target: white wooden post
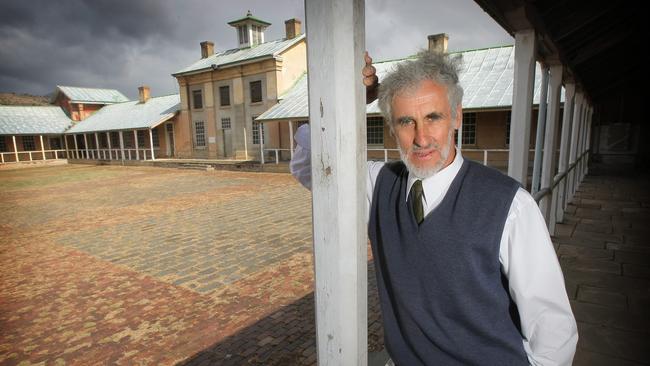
563,163
86,146
522,101
575,132
153,157
122,145
337,110
245,145
459,137
291,138
137,150
549,161
485,157
588,141
42,147
108,140
13,137
539,136
76,147
260,133
67,151
97,145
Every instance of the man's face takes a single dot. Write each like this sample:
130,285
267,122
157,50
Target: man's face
424,129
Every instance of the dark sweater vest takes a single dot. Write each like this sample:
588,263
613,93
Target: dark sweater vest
444,299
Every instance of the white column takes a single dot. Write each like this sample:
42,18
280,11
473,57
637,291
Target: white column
108,140
260,132
575,132
548,163
153,157
589,122
337,109
563,163
42,147
245,144
67,151
459,137
522,101
86,146
291,138
76,147
15,147
97,145
122,145
137,150
539,136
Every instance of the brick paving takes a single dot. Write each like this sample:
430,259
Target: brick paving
136,265
604,249
115,265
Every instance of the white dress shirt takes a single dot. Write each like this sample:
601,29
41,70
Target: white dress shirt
526,255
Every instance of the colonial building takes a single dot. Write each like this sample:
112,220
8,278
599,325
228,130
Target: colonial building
32,133
223,93
487,78
137,130
79,103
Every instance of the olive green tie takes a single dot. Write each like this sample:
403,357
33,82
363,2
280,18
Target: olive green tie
416,201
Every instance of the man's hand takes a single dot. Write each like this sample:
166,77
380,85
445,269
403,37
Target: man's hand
370,79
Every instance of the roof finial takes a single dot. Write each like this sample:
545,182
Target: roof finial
249,14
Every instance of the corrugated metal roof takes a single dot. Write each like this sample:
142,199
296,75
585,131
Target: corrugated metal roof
486,75
130,115
92,95
15,120
292,104
225,58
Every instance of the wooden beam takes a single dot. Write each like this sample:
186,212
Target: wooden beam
549,161
522,103
338,135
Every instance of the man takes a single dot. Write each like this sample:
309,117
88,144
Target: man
466,271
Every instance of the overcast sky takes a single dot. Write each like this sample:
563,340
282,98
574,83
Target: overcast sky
123,44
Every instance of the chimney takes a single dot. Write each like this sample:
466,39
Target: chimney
438,42
207,49
293,28
144,93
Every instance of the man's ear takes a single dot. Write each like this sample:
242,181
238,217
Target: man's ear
459,117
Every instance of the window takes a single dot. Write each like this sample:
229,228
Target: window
55,143
199,134
375,131
141,138
127,136
469,129
103,142
224,96
197,99
154,137
28,143
256,91
115,140
508,116
3,144
258,131
243,34
225,123
257,35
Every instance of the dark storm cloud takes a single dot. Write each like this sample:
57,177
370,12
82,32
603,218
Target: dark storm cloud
123,44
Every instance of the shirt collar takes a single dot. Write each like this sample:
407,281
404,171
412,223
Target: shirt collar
438,183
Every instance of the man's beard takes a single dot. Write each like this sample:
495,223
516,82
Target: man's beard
426,172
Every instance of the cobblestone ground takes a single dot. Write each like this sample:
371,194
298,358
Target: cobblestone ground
604,251
115,265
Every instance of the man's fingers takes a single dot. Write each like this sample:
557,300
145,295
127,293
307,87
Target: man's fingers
367,58
369,70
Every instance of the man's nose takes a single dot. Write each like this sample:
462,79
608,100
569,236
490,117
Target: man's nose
420,138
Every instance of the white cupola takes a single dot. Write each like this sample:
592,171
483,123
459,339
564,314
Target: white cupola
250,30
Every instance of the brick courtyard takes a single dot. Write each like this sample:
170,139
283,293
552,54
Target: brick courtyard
135,265
150,266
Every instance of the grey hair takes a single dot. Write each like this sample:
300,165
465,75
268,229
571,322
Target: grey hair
437,67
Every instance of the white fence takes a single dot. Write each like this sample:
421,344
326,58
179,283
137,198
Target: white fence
35,155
